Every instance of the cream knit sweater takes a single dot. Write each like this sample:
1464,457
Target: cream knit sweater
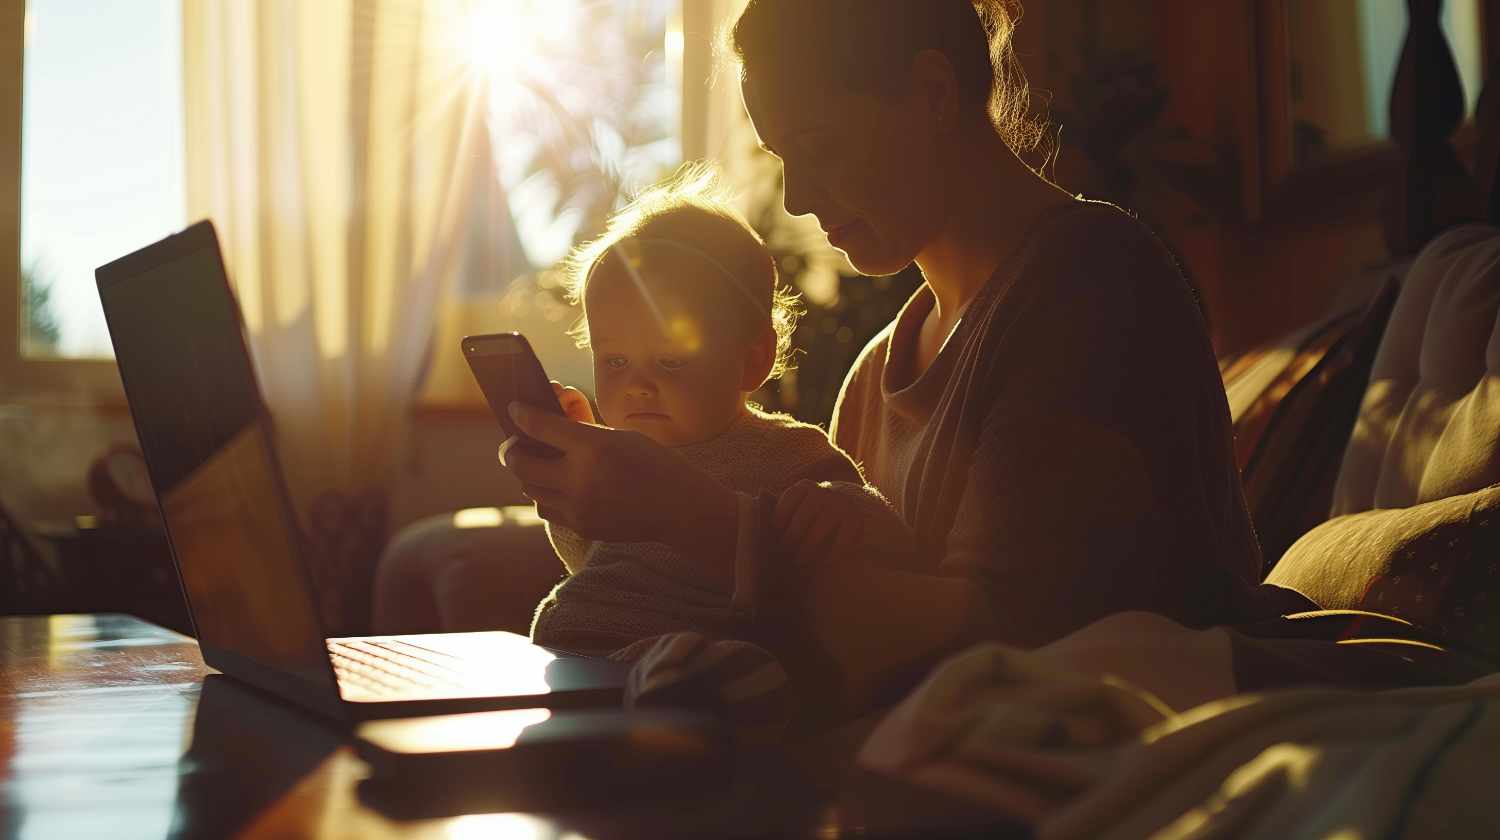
620,593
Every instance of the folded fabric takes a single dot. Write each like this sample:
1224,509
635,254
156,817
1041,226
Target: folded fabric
1077,756
1003,726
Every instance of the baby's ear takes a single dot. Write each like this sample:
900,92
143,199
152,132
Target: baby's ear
760,357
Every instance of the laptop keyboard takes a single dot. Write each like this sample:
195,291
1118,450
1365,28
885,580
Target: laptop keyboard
391,666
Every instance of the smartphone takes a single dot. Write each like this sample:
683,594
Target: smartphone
508,371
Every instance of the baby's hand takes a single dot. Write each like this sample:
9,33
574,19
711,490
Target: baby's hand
574,404
819,524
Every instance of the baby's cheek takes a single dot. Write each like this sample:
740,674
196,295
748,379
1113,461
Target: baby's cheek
606,398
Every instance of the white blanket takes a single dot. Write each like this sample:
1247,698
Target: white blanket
1080,756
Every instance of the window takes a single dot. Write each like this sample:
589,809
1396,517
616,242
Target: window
101,158
586,104
90,120
91,100
1342,73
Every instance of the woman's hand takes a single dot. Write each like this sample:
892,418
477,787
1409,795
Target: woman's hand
617,485
574,404
819,524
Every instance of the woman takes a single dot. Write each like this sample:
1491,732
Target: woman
1045,412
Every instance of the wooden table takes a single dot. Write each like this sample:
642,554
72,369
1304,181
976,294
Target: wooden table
112,727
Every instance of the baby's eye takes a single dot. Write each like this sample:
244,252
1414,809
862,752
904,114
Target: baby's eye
615,362
671,364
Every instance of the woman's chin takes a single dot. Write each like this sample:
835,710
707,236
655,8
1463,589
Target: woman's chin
870,255
872,264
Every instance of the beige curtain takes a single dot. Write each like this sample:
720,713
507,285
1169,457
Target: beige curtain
336,145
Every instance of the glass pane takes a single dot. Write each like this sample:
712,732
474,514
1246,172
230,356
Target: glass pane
1344,56
101,157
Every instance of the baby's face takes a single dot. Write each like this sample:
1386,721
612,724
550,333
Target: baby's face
664,364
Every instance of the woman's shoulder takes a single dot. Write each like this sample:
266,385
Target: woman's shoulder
1097,255
1094,287
1092,233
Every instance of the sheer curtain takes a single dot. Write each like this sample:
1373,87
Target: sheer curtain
337,146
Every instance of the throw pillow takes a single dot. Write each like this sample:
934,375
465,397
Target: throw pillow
1435,564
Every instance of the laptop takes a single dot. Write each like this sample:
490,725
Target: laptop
237,548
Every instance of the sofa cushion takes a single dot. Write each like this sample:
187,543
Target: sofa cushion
1429,423
1435,564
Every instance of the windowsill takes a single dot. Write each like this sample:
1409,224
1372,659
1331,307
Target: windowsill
62,384
93,404
114,405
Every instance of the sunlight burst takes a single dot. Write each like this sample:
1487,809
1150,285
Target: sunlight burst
508,44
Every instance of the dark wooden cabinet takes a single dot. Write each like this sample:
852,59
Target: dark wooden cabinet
94,567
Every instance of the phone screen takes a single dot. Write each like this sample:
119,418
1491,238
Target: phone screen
508,371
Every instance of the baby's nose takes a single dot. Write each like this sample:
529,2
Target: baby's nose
640,386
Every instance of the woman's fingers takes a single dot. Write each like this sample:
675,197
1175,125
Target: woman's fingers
817,524
819,535
786,506
505,447
807,514
554,507
846,541
573,402
537,472
558,432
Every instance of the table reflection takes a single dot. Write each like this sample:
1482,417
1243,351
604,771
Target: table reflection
111,727
95,711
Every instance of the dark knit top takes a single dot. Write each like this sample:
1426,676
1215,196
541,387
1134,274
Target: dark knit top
1070,446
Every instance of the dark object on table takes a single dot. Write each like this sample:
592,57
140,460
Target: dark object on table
529,759
96,567
30,576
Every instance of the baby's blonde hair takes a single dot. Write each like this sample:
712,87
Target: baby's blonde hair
693,211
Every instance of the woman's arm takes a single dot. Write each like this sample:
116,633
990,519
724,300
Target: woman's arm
880,627
616,485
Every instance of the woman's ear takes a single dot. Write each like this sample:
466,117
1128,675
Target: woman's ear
935,83
760,356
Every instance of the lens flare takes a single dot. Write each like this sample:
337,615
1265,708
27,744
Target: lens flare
685,334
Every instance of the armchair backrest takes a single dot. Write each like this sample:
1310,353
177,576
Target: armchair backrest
1429,424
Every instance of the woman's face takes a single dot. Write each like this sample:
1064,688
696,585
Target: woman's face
865,165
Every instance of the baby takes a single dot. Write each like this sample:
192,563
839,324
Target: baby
684,318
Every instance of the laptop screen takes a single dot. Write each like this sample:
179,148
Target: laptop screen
206,436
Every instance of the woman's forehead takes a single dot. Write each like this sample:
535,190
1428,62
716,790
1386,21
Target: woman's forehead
779,110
